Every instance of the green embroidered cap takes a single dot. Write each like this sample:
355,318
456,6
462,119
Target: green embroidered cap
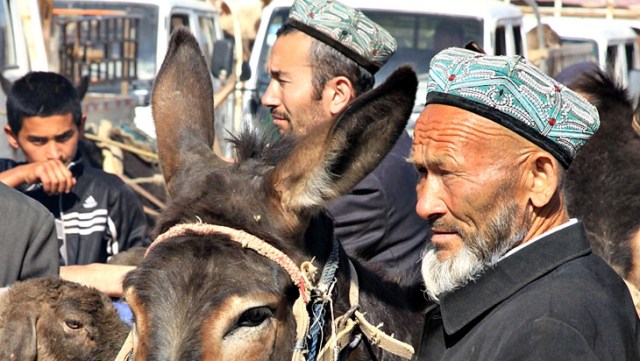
515,94
346,29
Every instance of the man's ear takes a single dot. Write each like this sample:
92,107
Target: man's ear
12,138
543,178
338,92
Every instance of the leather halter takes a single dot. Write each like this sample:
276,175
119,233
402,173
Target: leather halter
301,277
247,240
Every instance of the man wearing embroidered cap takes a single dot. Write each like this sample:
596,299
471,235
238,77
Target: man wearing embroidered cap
513,275
324,57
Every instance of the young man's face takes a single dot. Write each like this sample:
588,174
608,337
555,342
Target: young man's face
290,92
47,138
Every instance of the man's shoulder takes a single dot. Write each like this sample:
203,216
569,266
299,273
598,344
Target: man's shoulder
14,200
576,292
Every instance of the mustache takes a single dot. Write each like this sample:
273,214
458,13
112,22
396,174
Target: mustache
281,115
445,226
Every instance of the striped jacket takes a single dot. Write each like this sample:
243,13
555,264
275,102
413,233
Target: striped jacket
100,217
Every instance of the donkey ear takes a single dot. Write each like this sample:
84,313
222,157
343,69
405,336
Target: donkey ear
83,86
182,106
331,161
18,336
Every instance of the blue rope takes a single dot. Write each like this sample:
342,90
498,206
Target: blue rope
319,300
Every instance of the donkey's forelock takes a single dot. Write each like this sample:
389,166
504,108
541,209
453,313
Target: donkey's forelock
261,146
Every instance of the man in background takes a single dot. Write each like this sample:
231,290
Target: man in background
318,66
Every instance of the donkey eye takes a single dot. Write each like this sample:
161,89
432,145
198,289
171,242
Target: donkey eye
254,317
73,324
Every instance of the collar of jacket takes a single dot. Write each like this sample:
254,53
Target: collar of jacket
511,274
77,166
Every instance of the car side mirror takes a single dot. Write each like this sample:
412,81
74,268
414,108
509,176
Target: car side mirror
222,58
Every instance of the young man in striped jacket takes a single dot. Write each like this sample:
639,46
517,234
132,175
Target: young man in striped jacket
96,214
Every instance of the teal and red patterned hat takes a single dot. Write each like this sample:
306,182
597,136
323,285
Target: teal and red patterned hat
515,94
346,29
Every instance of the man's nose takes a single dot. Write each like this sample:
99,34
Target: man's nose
271,97
430,203
53,151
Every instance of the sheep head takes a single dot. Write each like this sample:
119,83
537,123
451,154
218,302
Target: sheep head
52,319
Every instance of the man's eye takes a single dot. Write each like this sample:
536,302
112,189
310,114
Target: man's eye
64,137
421,169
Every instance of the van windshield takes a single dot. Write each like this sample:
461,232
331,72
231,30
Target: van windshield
419,37
147,44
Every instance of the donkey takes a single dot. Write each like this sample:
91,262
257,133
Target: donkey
603,182
217,283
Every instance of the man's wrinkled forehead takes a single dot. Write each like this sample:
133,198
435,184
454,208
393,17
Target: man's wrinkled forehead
443,130
289,51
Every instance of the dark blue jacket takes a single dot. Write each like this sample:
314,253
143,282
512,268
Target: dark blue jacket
377,221
551,300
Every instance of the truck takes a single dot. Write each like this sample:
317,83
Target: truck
157,19
24,49
610,43
494,25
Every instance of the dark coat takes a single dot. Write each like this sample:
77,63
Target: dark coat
552,300
377,220
28,244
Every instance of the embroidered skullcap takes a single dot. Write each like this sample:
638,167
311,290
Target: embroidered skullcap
345,29
515,94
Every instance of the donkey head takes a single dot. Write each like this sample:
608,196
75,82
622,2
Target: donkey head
199,296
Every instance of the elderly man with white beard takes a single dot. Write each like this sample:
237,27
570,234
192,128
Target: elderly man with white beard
511,274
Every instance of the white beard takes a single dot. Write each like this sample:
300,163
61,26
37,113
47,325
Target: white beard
476,256
453,273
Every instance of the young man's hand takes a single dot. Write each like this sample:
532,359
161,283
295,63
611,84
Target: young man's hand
54,176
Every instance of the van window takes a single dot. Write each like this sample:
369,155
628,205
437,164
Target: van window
421,36
501,41
518,38
208,31
629,50
178,20
612,55
594,46
7,47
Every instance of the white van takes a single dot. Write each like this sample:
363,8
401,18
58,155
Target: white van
157,20
494,25
613,43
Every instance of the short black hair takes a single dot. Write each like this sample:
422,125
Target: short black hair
42,94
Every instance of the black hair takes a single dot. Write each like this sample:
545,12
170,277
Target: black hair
328,63
42,94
